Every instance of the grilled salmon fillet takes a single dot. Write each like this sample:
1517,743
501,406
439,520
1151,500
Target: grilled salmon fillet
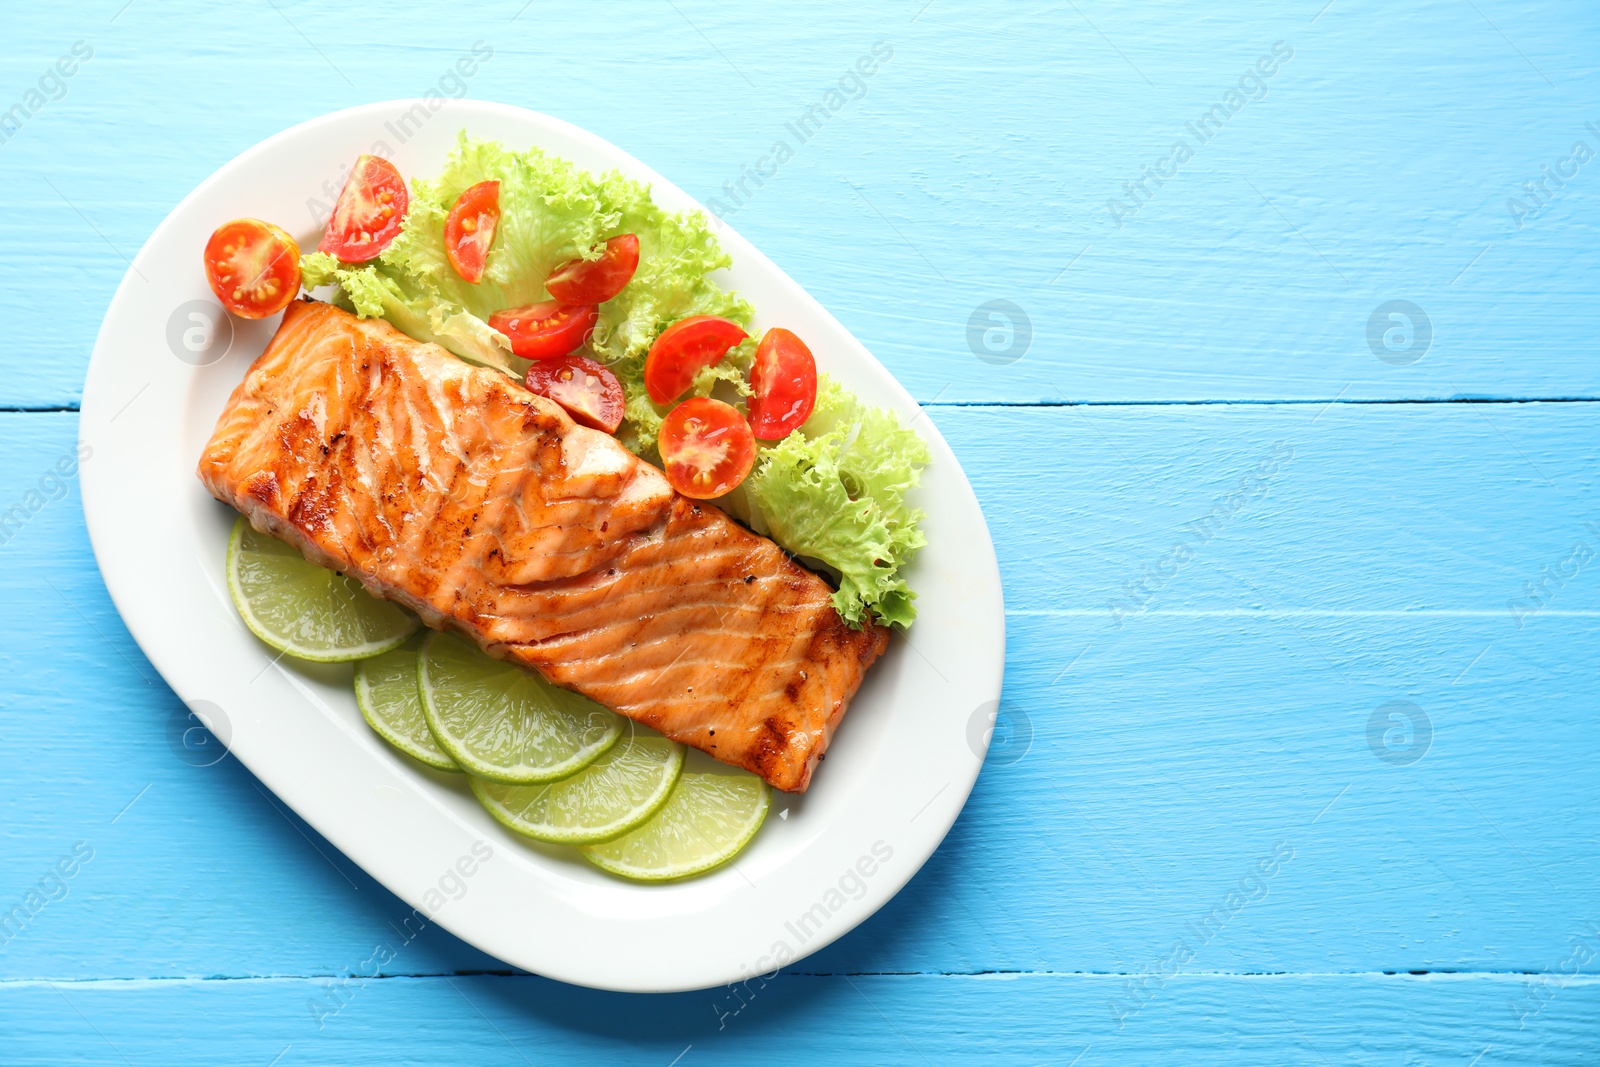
486,509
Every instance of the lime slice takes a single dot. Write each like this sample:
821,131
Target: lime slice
705,822
305,610
606,799
504,723
386,693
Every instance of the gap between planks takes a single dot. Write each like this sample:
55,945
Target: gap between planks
1306,613
1440,975
47,409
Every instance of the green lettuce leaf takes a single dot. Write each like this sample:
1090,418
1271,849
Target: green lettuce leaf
836,492
833,492
318,269
372,293
551,211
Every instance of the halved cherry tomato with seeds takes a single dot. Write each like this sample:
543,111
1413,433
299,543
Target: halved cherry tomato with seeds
590,393
469,229
366,217
683,349
545,329
706,447
253,267
594,281
784,380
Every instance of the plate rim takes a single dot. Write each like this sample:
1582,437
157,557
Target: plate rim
166,653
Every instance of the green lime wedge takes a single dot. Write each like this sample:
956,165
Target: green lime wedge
386,693
504,723
704,823
606,799
305,610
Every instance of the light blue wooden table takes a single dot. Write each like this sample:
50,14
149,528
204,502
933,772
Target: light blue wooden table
1298,755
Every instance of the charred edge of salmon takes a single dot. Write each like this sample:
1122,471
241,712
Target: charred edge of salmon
869,644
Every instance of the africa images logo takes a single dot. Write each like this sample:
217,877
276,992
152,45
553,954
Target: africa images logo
852,85
1251,86
851,884
50,888
52,85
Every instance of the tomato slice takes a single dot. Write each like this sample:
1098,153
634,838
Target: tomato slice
546,329
253,267
706,447
366,217
594,281
469,229
590,393
784,377
682,349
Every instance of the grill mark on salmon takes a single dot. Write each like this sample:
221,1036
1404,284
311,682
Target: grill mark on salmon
485,509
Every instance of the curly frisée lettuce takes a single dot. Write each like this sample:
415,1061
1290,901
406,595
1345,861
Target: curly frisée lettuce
551,211
833,492
373,293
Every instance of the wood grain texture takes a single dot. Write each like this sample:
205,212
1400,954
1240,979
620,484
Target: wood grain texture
1165,757
977,165
1203,655
1288,508
1230,1020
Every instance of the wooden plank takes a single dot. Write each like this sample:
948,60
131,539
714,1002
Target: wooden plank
1197,1019
1121,511
1174,742
1378,166
1158,773
1166,756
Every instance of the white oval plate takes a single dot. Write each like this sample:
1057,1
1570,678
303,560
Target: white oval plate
897,773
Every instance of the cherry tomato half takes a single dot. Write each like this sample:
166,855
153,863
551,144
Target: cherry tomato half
590,393
367,216
784,377
546,329
253,267
594,281
706,447
682,349
469,229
